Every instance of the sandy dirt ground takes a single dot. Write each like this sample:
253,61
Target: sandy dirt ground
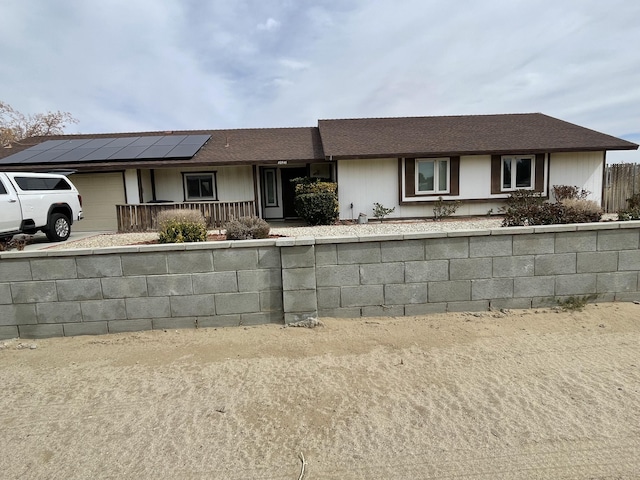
527,394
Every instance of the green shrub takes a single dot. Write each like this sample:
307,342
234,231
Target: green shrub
245,228
442,209
181,226
525,207
632,212
380,211
316,202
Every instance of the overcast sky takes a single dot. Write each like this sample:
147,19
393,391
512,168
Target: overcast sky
133,65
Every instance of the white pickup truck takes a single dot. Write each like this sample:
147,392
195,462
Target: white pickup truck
38,201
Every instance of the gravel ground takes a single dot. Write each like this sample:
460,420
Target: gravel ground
119,239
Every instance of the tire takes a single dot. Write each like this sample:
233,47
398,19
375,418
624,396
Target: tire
60,228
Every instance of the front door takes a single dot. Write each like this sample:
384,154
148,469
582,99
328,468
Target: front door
288,189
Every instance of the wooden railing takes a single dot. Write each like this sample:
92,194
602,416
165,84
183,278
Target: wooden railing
143,217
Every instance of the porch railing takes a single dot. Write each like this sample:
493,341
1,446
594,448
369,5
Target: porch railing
144,217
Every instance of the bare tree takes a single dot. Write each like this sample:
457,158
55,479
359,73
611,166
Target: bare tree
16,126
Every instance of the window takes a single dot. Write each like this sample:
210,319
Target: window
42,183
270,188
517,172
200,186
432,175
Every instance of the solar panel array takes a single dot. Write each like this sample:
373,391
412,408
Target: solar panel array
112,149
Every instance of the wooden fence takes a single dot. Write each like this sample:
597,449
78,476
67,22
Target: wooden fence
621,181
143,217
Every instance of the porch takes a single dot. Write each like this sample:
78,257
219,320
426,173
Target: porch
144,217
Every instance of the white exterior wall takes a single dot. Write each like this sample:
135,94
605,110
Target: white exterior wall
581,169
233,183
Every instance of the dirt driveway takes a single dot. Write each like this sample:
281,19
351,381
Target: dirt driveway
529,394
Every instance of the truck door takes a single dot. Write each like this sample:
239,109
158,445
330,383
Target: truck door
10,213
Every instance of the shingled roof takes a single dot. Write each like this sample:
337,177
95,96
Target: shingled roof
460,135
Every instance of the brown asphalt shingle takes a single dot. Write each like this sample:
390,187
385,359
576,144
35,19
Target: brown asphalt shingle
470,134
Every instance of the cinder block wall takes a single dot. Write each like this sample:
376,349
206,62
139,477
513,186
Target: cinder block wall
284,280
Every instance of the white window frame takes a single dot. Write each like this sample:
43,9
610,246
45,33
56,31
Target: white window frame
187,175
514,161
436,176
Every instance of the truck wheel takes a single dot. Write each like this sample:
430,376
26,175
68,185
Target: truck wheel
60,228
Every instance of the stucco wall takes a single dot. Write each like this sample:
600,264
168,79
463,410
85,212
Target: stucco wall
285,280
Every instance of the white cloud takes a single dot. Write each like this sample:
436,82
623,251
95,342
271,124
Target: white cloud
270,25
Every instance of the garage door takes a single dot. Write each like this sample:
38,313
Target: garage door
100,193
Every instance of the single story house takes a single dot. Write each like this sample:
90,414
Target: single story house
406,163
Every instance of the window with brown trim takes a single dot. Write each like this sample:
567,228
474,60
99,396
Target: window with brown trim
200,186
425,177
516,172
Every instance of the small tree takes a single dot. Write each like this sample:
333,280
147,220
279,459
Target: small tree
16,126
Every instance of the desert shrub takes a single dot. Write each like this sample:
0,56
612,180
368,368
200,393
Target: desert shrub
316,202
569,192
380,211
442,209
524,207
581,211
245,228
632,212
181,226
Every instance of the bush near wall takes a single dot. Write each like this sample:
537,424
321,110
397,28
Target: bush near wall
316,202
181,225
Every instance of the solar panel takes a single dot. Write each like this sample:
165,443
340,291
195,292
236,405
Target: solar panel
47,145
156,151
102,153
196,139
128,153
71,144
146,141
98,142
183,151
171,140
122,141
44,157
76,154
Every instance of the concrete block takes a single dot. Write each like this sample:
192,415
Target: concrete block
92,328
103,310
492,246
350,312
358,253
403,251
40,331
490,288
53,268
383,311
555,264
271,301
474,306
470,268
218,321
261,318
629,260
166,285
534,244
5,294
528,287
79,289
196,261
269,258
7,333
446,248
290,318
328,297
379,237
512,231
580,284
406,293
148,307
144,264
216,282
381,273
233,259
426,271
231,303
173,323
583,241
516,266
15,270
617,282
326,255
299,278
23,314
300,301
618,240
261,280
452,291
96,266
123,287
589,262
425,309
193,305
338,275
137,325
362,295
58,312
544,302
468,233
510,303
627,297
298,257
34,292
